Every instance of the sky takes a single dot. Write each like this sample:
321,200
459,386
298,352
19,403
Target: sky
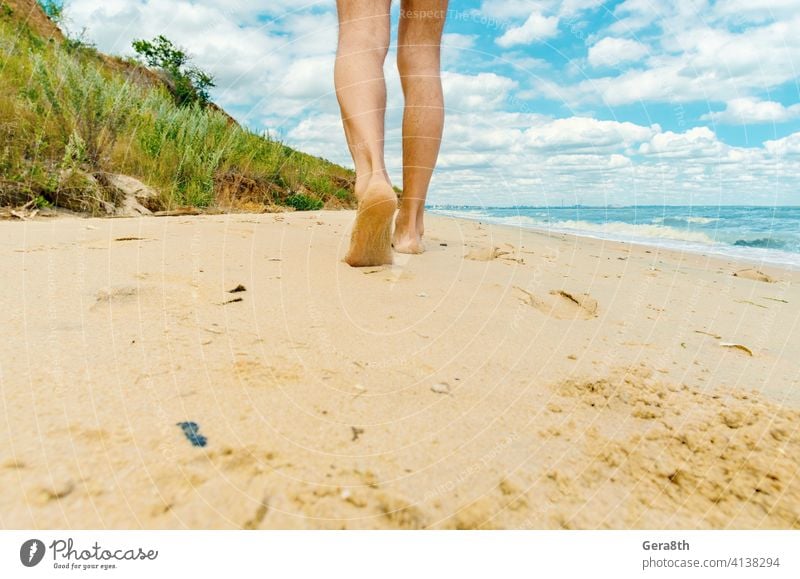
628,102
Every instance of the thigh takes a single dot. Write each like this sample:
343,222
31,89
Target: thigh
363,25
355,11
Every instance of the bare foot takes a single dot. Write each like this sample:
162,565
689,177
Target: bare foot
370,242
408,235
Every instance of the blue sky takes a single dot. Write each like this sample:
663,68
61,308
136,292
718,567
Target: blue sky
576,101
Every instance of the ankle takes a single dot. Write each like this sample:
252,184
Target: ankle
369,181
406,221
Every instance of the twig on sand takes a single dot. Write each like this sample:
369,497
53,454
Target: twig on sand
744,349
715,336
751,303
179,211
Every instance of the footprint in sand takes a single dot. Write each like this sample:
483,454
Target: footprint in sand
755,275
562,305
123,293
483,253
250,372
492,252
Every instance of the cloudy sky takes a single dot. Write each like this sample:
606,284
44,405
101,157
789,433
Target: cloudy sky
573,101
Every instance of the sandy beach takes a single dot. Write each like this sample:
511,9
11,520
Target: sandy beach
229,371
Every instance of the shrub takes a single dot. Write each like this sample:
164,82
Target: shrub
188,84
302,202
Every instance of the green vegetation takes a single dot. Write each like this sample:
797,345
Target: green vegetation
304,202
70,115
187,83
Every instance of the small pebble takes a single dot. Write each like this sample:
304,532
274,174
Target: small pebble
441,388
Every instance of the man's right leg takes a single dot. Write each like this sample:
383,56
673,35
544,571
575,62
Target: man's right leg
418,60
364,32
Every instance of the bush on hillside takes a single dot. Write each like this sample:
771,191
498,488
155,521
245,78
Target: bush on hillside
188,84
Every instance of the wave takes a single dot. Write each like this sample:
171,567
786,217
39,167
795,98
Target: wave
463,214
768,243
615,229
684,220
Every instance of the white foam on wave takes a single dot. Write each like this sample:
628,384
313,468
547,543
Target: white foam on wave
697,220
612,229
462,214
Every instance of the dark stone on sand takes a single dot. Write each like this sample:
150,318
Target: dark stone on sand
192,432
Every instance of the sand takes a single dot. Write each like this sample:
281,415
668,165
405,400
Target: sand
503,379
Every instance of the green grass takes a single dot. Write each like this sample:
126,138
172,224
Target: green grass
67,112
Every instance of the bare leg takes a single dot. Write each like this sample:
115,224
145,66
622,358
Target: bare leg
418,60
364,31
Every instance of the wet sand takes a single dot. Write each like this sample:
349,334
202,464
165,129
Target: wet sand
504,379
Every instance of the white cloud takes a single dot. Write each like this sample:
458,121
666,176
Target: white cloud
696,143
699,64
309,78
456,47
536,28
752,111
612,51
634,15
483,91
786,146
455,41
587,134
746,11
518,9
250,60
510,9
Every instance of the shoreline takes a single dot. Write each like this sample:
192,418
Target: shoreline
507,378
670,244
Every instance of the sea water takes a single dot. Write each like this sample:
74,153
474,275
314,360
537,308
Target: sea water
768,235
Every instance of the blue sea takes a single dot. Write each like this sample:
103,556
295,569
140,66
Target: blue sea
763,234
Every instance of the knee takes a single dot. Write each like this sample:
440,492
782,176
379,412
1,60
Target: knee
418,60
362,40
